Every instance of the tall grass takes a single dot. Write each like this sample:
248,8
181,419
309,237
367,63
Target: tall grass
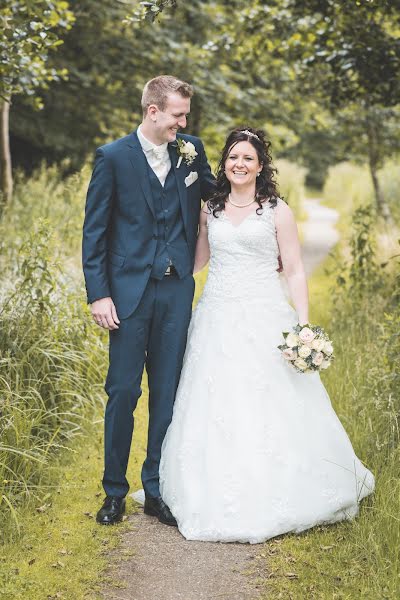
390,177
349,186
51,358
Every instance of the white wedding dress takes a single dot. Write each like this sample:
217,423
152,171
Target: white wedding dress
254,449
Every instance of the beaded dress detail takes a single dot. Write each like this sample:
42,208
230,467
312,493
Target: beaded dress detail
254,449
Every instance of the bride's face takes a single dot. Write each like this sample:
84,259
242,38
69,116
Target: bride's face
242,165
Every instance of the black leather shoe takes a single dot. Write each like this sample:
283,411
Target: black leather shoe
112,510
156,507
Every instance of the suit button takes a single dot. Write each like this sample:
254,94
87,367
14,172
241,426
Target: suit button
154,237
149,266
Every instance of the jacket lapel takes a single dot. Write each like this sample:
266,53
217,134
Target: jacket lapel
180,180
139,163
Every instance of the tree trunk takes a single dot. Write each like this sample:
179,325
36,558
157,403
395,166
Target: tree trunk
373,159
195,117
5,156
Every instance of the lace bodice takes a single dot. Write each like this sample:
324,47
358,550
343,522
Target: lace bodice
244,257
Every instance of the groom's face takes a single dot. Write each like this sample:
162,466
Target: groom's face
173,118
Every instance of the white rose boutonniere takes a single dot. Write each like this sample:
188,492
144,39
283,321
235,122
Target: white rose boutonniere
186,151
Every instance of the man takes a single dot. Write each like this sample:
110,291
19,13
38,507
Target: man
139,238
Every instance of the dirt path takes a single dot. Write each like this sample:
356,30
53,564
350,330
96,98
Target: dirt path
162,565
319,233
167,567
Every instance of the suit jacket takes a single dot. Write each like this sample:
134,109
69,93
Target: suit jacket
120,228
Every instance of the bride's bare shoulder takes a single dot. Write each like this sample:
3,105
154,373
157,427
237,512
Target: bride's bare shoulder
283,212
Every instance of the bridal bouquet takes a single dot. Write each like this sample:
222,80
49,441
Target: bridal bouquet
307,348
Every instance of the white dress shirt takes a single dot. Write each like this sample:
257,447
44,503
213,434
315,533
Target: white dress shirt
157,156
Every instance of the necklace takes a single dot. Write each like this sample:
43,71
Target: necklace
239,205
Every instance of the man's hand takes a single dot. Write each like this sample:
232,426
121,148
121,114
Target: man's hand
104,313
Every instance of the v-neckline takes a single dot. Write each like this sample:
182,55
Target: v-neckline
241,222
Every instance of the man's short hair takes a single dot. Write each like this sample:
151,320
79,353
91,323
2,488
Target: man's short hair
157,90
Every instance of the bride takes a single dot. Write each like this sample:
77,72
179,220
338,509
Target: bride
254,449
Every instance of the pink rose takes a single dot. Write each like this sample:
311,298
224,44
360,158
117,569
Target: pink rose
318,358
306,335
289,354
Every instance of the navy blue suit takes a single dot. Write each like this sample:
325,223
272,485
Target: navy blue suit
133,229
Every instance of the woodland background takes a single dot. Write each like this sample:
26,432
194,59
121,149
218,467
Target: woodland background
322,78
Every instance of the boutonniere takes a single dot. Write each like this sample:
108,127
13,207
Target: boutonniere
186,151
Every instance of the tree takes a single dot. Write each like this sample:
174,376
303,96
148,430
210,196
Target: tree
29,33
292,65
355,59
109,58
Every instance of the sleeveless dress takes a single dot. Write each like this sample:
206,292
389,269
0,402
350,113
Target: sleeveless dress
254,449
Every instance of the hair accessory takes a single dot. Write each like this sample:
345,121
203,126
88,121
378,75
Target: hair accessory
250,133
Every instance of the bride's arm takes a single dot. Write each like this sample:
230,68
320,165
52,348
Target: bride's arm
293,268
202,255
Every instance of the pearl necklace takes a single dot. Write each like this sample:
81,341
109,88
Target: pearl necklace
239,205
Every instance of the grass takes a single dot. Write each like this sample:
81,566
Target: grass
60,552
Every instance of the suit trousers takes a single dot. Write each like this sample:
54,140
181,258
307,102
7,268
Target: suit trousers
153,336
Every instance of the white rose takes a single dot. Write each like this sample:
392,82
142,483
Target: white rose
318,359
325,364
306,334
328,348
301,364
304,351
318,344
189,149
292,340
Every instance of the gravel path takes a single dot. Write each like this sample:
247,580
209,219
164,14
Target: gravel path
159,563
167,567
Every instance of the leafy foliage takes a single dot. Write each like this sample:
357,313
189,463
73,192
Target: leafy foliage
29,32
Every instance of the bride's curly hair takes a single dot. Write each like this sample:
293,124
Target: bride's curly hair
266,186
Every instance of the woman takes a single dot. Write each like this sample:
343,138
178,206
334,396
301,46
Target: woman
254,449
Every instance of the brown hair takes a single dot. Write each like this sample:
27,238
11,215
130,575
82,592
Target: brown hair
156,91
266,187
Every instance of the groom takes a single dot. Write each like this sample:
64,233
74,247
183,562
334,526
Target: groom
139,239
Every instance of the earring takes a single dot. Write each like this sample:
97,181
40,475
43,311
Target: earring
259,173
